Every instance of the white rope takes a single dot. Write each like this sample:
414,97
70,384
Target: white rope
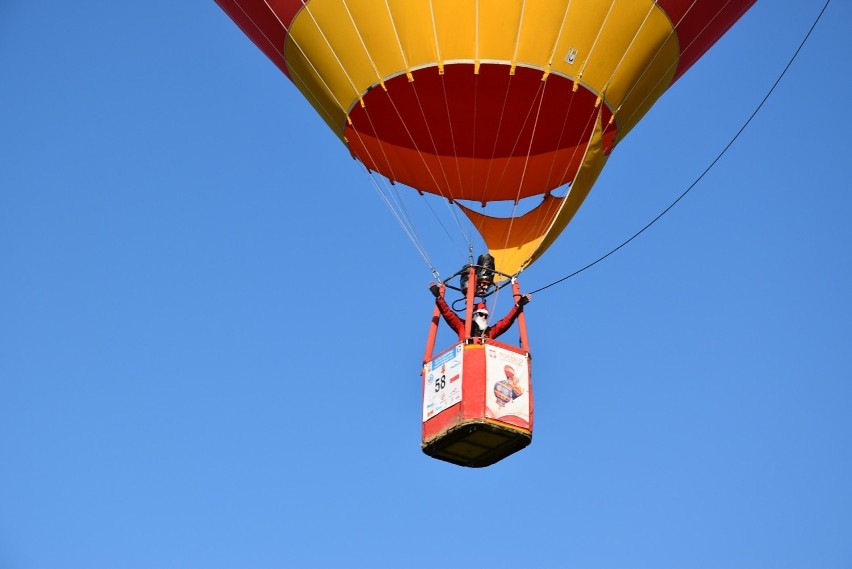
627,50
280,52
398,41
443,192
538,93
363,44
656,54
648,65
496,138
682,50
561,135
518,35
609,80
394,202
404,223
451,130
595,43
307,59
542,89
438,56
558,36
545,220
476,37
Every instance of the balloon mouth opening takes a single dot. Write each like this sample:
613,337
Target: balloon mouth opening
477,137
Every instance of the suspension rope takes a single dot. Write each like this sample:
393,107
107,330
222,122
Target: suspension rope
440,61
397,203
674,63
432,175
595,42
710,166
405,223
541,93
496,136
331,49
296,75
556,41
633,40
391,198
627,50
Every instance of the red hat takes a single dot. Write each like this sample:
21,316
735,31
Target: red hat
480,307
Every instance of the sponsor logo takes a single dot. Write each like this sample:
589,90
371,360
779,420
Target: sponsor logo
512,357
441,360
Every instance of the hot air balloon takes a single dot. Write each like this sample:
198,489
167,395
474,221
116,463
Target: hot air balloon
482,102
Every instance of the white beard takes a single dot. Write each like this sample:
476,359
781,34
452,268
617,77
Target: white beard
481,322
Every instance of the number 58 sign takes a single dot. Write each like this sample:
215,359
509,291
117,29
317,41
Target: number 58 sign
442,382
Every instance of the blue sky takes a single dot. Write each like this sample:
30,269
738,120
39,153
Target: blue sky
211,327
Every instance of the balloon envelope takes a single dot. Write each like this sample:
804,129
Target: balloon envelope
486,100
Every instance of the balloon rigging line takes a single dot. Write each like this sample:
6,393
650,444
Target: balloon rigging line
544,221
405,224
308,60
645,70
389,196
363,43
419,153
394,202
709,167
402,213
517,35
559,141
399,210
438,55
496,133
411,137
396,205
452,136
541,224
451,198
468,239
398,41
312,97
366,112
541,92
672,66
476,32
465,234
627,50
551,221
595,43
425,163
310,93
558,36
434,146
536,96
541,101
331,49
